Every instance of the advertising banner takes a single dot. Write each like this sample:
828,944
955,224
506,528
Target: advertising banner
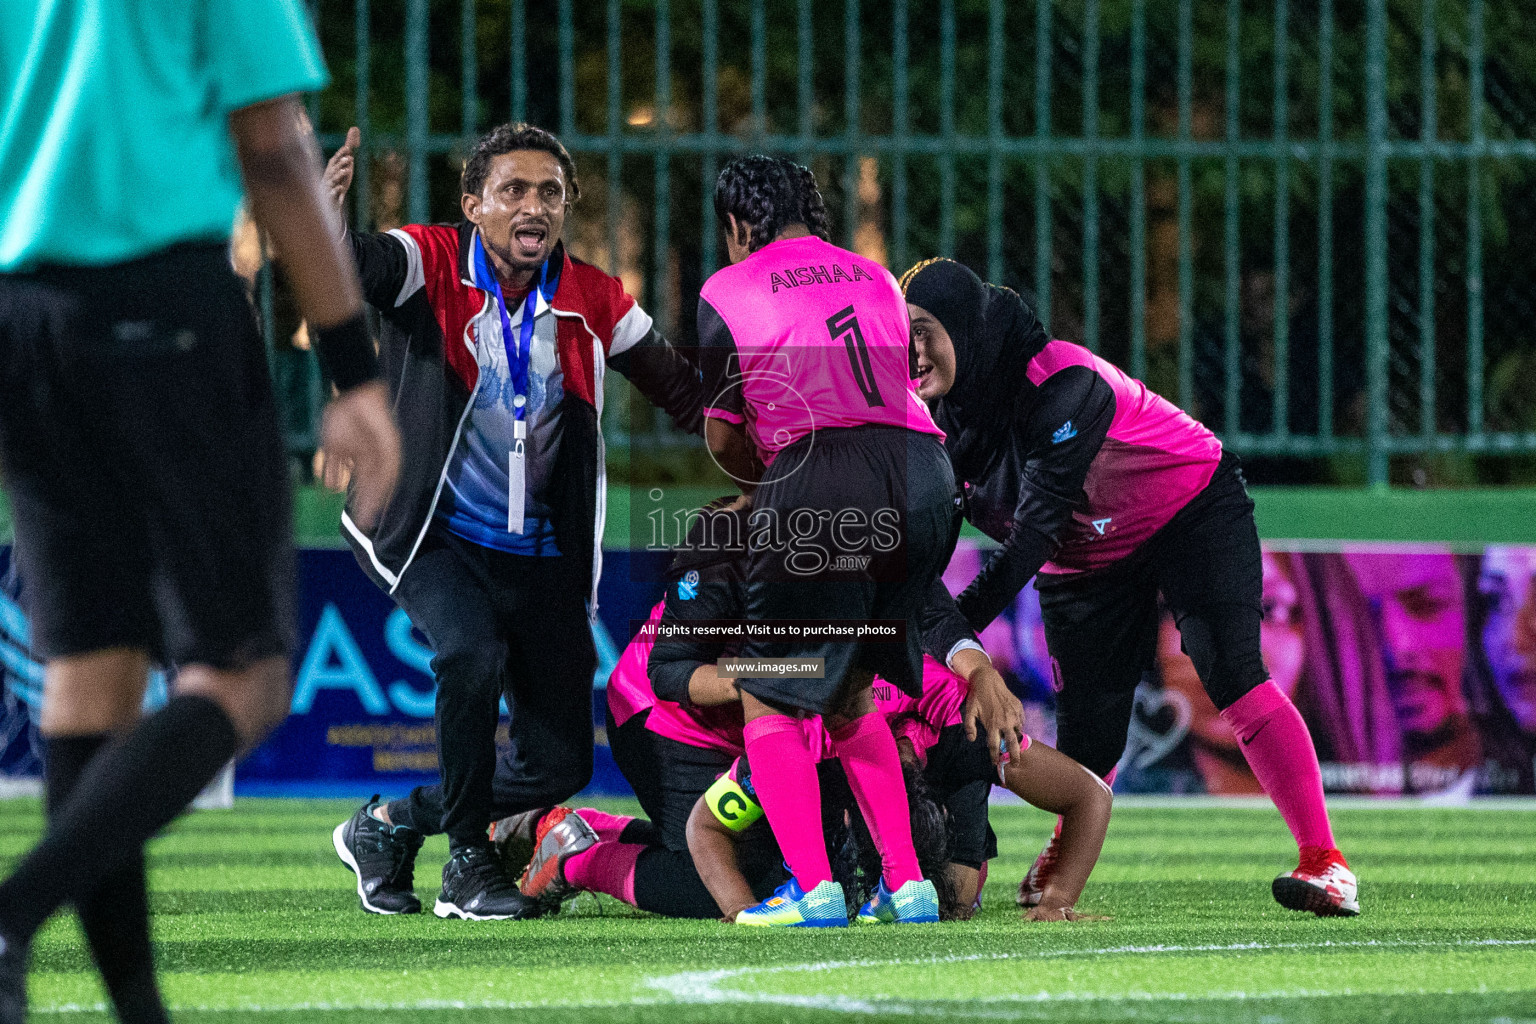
1414,668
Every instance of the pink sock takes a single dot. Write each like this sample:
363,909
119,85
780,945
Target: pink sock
607,826
1109,780
867,750
784,777
608,867
1279,750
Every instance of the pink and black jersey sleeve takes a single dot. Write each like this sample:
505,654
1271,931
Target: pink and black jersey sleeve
1028,504
1098,464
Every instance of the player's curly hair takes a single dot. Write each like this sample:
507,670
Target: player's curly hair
855,859
509,138
767,193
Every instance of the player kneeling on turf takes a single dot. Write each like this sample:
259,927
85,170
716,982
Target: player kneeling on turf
948,778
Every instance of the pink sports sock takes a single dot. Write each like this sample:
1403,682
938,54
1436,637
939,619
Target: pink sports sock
784,777
608,867
1279,749
867,750
607,826
1109,780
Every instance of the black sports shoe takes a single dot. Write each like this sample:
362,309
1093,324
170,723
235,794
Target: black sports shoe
13,982
477,888
384,859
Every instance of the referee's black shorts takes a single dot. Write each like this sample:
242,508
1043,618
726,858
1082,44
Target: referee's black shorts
139,447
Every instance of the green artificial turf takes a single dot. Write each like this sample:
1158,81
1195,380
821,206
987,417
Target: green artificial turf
257,921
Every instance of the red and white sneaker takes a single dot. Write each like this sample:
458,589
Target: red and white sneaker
1321,883
561,833
1032,887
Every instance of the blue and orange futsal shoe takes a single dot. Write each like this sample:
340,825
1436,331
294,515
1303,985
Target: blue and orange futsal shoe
792,907
916,902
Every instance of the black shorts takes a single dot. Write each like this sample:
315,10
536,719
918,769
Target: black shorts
1101,627
865,522
140,449
960,774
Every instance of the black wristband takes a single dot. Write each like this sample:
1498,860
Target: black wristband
346,352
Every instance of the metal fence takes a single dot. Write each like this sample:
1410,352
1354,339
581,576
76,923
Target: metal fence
1303,220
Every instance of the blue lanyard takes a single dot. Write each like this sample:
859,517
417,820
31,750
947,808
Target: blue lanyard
518,352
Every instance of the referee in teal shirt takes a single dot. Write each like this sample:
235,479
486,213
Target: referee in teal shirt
139,444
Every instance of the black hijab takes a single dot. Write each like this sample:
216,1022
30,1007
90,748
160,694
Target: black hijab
995,335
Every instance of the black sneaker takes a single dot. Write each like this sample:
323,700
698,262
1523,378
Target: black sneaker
384,859
13,982
477,888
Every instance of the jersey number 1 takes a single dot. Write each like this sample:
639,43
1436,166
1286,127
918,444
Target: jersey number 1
846,323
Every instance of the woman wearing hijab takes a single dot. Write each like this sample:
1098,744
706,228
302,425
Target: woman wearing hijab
1111,494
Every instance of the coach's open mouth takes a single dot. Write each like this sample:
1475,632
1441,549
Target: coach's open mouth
530,240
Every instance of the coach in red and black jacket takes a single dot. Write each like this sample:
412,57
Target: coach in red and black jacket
495,342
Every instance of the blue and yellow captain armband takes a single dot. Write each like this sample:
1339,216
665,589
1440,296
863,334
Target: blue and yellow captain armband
731,805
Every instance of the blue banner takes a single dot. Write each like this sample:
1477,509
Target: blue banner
363,694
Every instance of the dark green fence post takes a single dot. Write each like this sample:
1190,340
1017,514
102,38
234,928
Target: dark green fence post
468,72
1138,189
899,128
995,141
662,236
1475,223
1091,175
1042,161
1280,418
1325,221
1376,353
519,46
614,185
362,193
947,127
1231,236
1428,130
1186,202
567,46
710,97
851,126
416,78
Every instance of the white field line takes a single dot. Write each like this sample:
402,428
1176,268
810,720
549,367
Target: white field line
704,987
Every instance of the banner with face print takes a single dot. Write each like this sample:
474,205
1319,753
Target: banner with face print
1413,666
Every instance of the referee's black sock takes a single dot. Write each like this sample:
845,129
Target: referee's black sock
129,792
115,917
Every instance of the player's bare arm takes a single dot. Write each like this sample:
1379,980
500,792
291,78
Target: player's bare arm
713,848
1054,782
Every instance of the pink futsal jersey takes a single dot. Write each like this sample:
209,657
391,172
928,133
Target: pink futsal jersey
1154,459
802,336
919,719
629,693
